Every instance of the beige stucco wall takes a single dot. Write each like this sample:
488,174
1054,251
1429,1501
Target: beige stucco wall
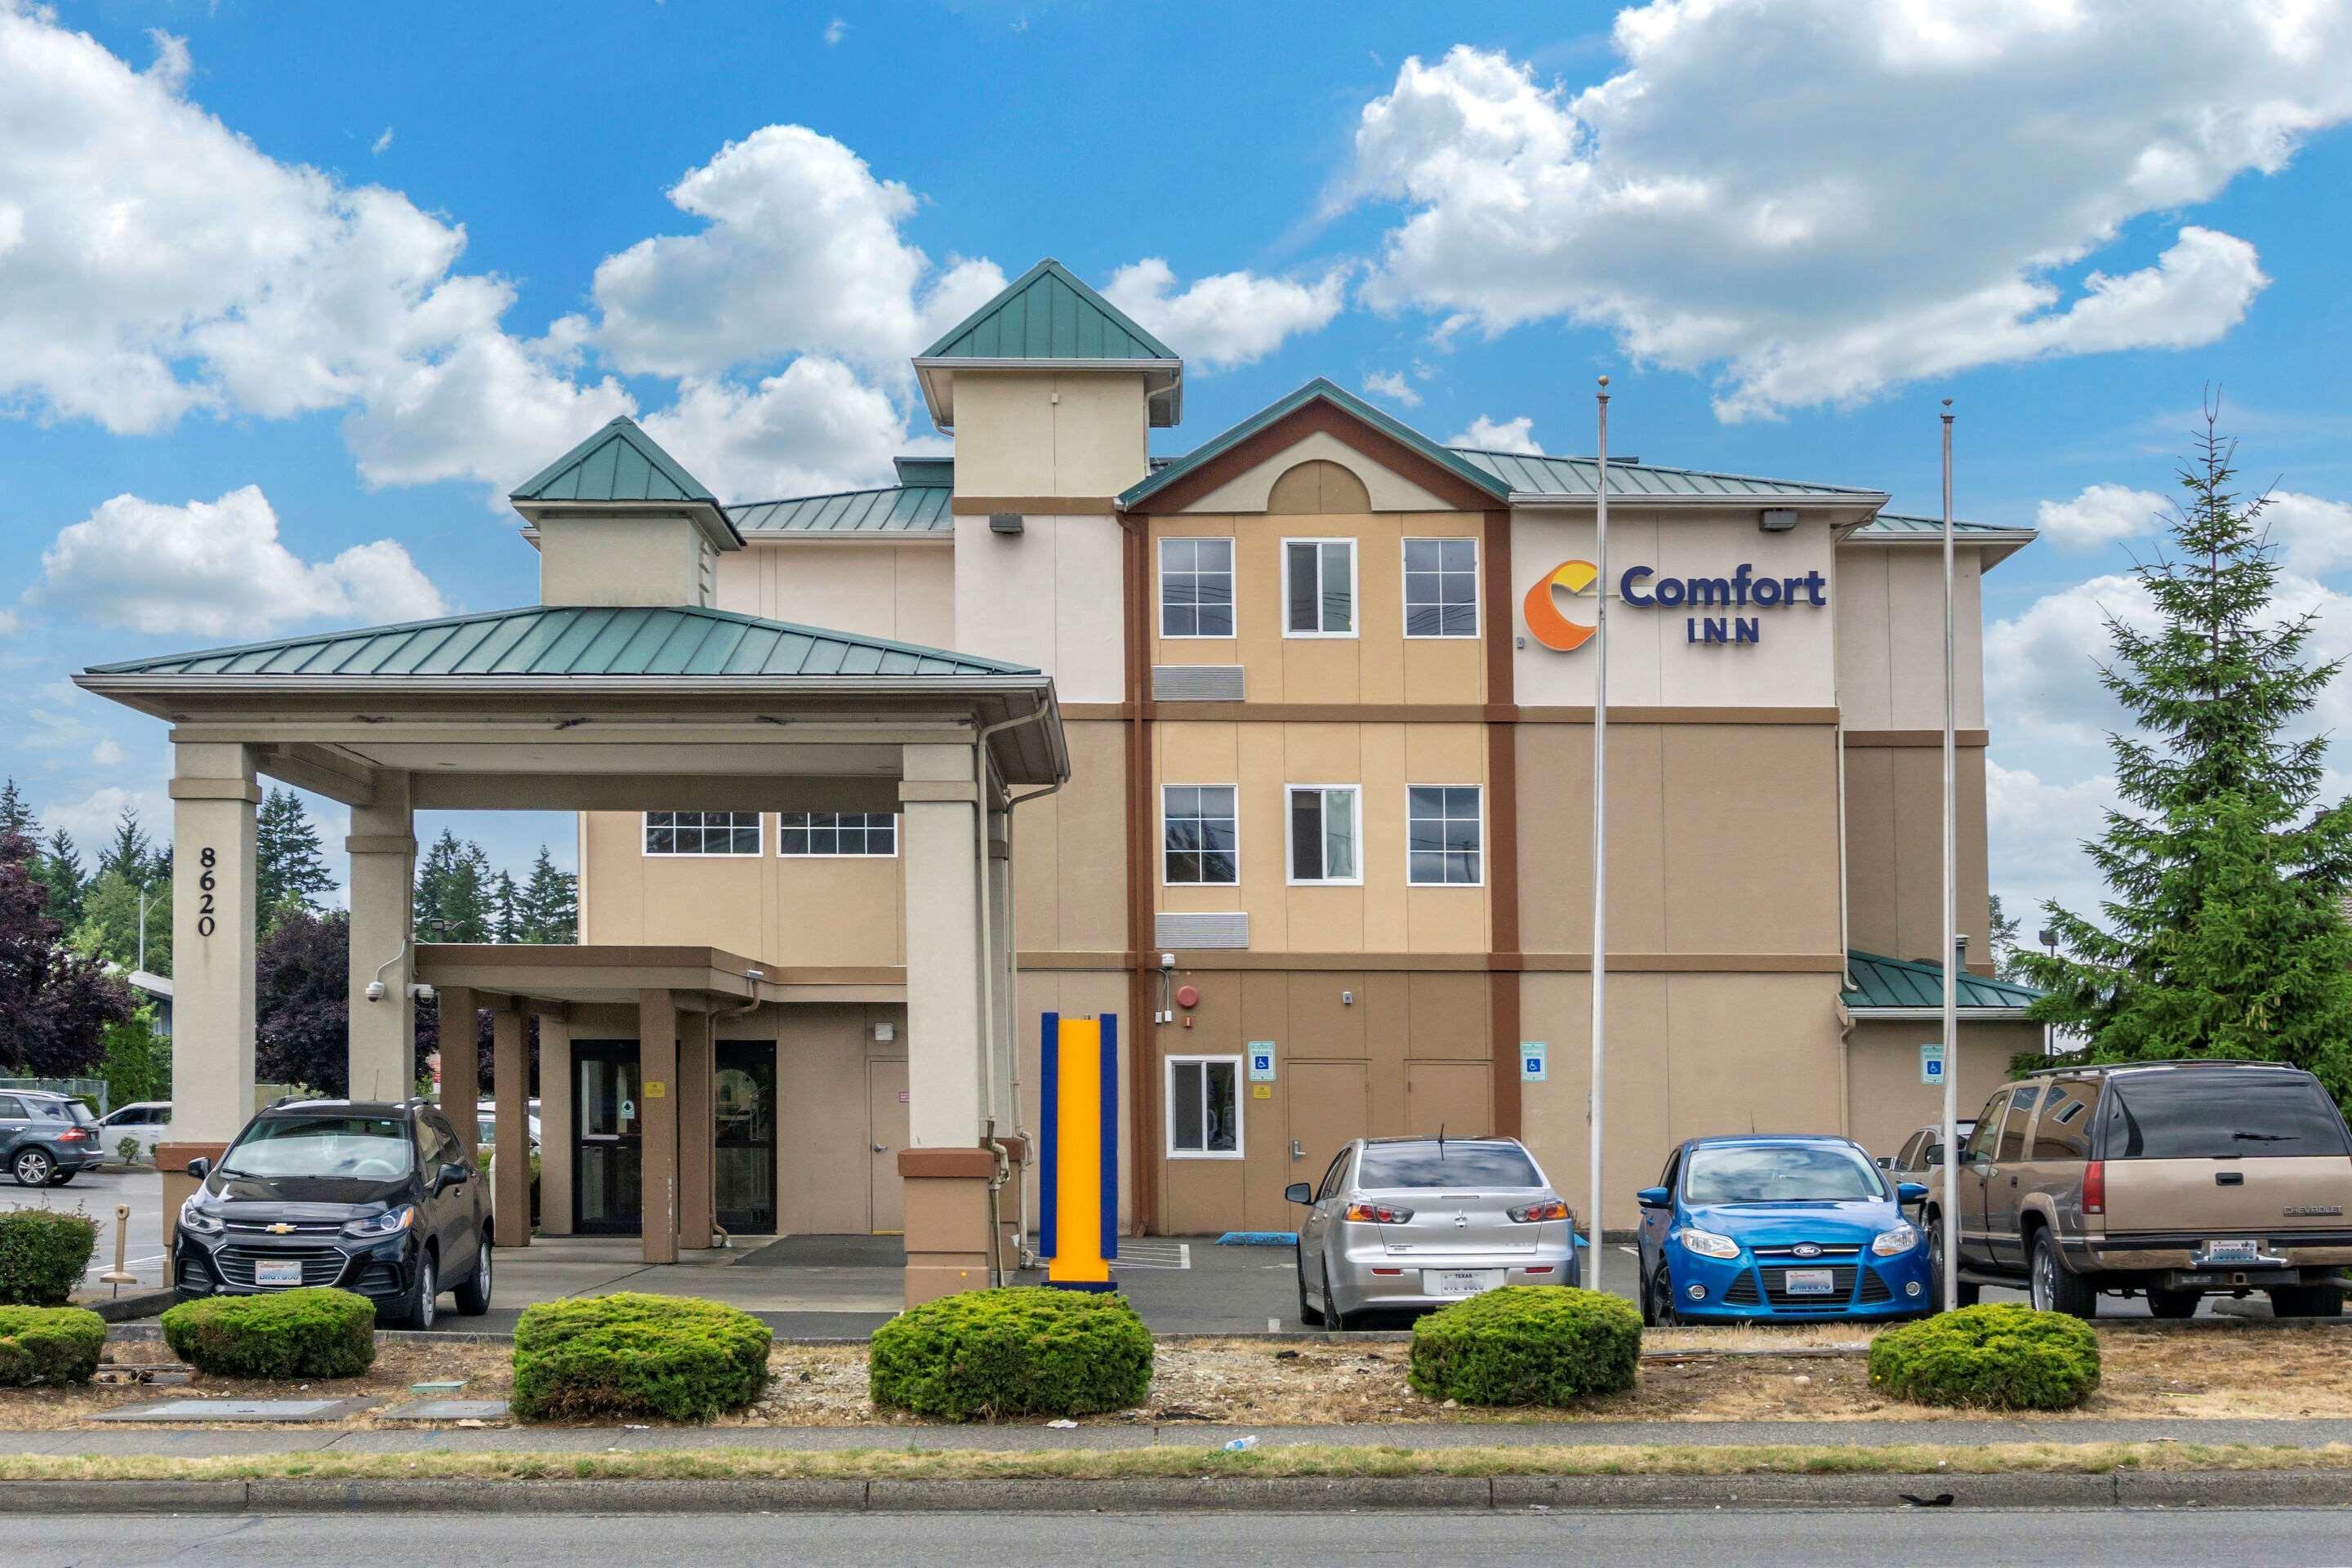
1887,1100
1249,491
1048,596
906,591
1069,850
1057,433
623,561
1894,850
1889,604
808,910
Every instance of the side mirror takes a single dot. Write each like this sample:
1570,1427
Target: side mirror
1299,1192
1887,1162
200,1167
1910,1192
1654,1198
454,1174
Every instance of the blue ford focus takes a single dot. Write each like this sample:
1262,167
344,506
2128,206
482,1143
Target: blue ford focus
1779,1229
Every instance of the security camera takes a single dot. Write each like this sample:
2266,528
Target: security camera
421,991
374,992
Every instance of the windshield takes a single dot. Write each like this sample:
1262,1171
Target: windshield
2220,1115
1446,1165
1779,1173
369,1148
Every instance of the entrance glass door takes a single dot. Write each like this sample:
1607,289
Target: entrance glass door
743,1103
608,1139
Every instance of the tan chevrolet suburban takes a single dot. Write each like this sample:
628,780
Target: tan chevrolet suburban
2171,1180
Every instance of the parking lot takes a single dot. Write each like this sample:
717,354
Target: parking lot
96,1193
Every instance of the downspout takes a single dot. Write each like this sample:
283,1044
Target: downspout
984,772
1028,1259
753,977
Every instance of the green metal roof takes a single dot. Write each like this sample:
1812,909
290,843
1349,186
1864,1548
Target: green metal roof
1887,524
560,641
1882,981
1047,314
1529,474
619,462
1316,390
925,470
901,508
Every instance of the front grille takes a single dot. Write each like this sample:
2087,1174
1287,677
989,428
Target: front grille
320,1265
1840,1292
1873,1289
1742,1290
299,1226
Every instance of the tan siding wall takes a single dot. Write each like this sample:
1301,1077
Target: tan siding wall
621,560
1069,850
1889,603
811,911
1052,433
906,591
1894,850
1888,1103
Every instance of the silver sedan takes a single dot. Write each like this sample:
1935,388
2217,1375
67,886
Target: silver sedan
1406,1223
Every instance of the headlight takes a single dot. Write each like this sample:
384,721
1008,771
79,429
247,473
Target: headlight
198,1221
1706,1243
391,1221
1902,1239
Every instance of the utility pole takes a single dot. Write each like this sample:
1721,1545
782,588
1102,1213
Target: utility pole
1599,828
1951,1210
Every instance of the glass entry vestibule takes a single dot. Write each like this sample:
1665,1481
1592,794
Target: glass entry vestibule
608,1139
743,1106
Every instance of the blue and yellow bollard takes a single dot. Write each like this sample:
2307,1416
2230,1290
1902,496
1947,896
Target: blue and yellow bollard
1077,1173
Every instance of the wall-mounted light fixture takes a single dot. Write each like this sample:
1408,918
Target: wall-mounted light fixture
1005,523
1776,519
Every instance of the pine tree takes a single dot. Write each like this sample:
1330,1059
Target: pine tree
132,853
452,892
506,909
61,870
2223,934
15,817
551,902
291,868
109,929
2004,943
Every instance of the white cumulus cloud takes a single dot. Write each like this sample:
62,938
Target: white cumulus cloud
814,430
219,569
2314,534
1817,200
1392,384
1499,435
2037,829
2103,514
1231,318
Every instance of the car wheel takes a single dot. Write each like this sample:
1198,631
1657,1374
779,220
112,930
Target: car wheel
474,1295
1661,1291
2051,1287
1333,1318
1649,1303
2306,1301
424,1298
1969,1293
2174,1303
1308,1316
32,1168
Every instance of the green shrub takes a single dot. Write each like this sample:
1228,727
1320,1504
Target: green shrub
1527,1344
637,1356
42,1255
314,1332
48,1344
1026,1351
2003,1357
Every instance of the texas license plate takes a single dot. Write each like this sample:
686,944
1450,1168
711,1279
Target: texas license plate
277,1273
1809,1282
1459,1281
2231,1252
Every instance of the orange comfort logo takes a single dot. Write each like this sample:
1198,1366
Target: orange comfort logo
1541,608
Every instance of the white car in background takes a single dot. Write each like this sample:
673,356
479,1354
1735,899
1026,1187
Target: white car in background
147,1121
486,1114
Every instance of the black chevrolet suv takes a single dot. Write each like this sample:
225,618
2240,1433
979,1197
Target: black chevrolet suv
379,1199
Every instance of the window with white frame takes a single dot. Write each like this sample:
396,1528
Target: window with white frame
702,833
1204,1108
1440,587
1319,587
1196,587
852,833
1200,838
1445,836
1325,831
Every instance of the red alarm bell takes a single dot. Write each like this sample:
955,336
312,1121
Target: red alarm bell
1187,997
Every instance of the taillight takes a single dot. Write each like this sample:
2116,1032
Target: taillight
2094,1187
72,1135
1531,1214
1377,1214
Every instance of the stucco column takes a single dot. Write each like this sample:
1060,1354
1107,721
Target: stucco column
554,1125
213,940
510,1072
695,1154
461,1061
382,848
657,1117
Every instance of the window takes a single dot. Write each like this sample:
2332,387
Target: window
836,833
702,833
1458,1163
1779,1173
1440,587
2220,1113
1331,1178
1324,821
1199,837
2011,1146
1319,587
1443,837
1907,1159
1196,587
1204,1120
2065,1131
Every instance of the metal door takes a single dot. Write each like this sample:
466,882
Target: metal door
608,1139
743,1104
886,1101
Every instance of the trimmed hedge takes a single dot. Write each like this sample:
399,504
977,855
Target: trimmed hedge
1527,1344
1026,1350
42,1255
48,1344
630,1354
1996,1357
318,1332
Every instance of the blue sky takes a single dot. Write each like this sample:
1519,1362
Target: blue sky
281,284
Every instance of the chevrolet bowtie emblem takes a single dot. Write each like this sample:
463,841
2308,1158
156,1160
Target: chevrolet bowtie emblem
280,1229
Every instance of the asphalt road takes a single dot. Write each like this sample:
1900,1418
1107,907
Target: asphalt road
96,1193
1721,1538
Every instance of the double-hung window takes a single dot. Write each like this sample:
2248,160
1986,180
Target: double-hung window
1440,587
1199,839
1196,587
702,833
1326,833
851,833
1444,837
1204,1108
1319,587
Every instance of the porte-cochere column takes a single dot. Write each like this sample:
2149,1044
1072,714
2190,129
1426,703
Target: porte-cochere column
212,940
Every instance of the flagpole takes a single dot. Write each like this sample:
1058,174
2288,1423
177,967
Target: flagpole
1951,1210
1600,827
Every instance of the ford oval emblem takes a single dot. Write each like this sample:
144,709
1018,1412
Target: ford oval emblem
1806,1250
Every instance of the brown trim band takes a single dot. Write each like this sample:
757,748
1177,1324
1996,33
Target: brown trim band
1499,715
1033,506
1861,738
1210,960
1177,712
1687,962
1621,714
962,1165
1309,419
1081,713
1077,958
1142,854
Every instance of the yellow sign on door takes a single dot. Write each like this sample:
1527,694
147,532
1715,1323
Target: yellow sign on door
656,1088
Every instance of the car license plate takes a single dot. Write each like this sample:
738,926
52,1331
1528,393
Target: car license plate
1459,1281
1809,1282
2231,1252
277,1273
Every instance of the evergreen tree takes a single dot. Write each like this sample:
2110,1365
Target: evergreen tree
133,854
15,817
290,869
506,909
453,895
550,903
2004,943
110,923
2223,934
60,871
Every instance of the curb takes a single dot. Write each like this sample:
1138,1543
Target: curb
2029,1490
122,1308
